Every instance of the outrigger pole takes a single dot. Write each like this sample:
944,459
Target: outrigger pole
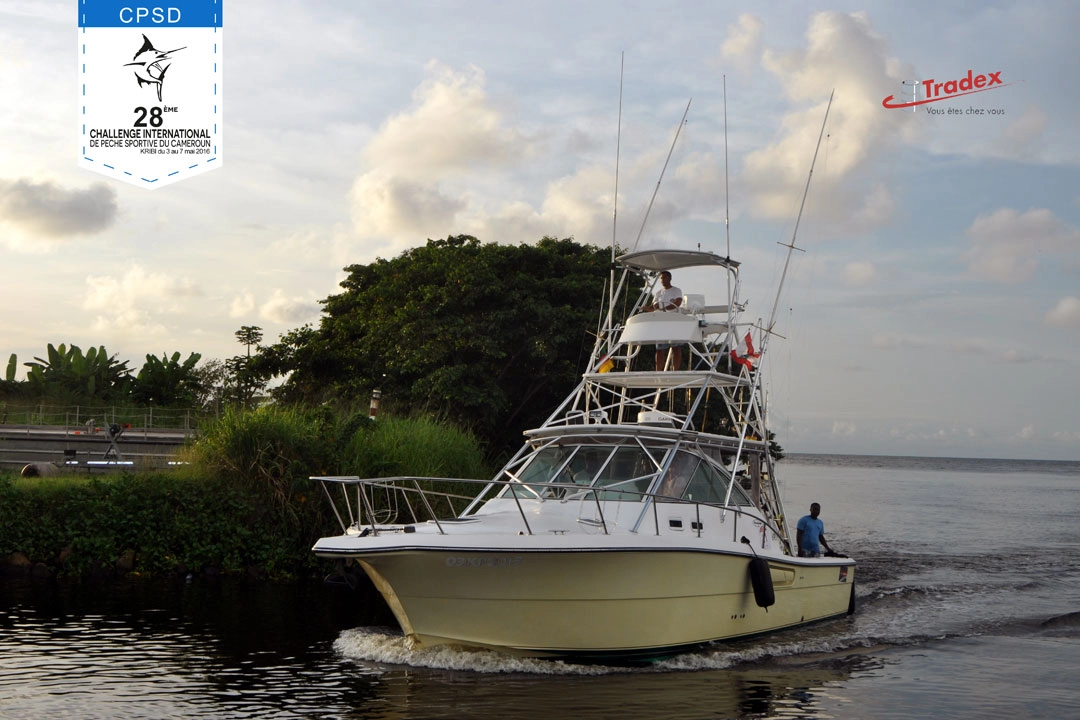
662,171
798,218
767,331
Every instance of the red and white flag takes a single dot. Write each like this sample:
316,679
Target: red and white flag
745,354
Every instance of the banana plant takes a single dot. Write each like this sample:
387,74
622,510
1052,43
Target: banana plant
167,381
93,375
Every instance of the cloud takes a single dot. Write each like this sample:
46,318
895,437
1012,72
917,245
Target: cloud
129,303
282,309
409,191
39,213
1066,314
395,207
990,350
843,428
1006,246
843,53
1022,139
452,126
942,437
1026,433
242,305
897,342
858,274
742,46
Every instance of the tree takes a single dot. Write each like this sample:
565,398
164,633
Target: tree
212,378
246,380
67,372
489,336
167,381
249,335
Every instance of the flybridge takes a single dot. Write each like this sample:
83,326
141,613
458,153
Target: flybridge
936,91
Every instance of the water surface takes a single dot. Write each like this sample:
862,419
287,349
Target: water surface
968,596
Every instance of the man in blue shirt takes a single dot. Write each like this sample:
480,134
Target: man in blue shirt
810,531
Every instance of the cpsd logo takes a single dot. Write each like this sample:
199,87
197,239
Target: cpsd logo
150,65
150,16
936,91
150,91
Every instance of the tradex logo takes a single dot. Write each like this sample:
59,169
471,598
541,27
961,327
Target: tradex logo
937,91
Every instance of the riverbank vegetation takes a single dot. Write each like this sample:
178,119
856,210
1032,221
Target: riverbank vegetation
243,505
468,344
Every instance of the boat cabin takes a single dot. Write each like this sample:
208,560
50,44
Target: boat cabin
627,470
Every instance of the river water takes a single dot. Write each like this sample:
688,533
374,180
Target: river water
968,607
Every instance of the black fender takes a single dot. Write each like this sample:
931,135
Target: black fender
761,581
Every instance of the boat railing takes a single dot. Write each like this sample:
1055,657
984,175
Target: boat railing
382,502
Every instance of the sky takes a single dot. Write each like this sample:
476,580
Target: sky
934,307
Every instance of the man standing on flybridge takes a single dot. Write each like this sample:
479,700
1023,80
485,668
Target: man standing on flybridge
668,297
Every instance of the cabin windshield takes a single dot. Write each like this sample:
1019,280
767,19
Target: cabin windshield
625,471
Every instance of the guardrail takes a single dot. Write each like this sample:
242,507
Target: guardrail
399,489
100,416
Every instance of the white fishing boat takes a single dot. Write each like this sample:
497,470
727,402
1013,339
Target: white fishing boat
616,532
643,518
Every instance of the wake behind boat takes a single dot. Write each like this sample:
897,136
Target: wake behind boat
640,520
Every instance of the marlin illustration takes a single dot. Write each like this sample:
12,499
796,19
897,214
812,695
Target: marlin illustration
150,69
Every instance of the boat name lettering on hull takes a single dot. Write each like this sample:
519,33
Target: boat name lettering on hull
478,561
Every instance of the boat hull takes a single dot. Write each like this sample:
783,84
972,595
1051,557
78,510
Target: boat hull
598,604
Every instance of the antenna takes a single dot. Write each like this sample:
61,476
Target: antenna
615,210
727,195
662,171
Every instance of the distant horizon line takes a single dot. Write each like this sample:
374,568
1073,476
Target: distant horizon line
925,457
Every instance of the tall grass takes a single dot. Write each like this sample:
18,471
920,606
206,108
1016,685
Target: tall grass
271,449
278,448
413,446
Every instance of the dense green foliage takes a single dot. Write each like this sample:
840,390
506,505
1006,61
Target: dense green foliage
488,336
67,375
67,370
168,382
171,523
246,502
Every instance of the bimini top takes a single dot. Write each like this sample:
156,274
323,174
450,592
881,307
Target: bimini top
657,260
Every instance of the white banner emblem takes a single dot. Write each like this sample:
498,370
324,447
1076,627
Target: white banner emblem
150,89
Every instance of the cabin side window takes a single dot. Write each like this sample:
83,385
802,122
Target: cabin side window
709,485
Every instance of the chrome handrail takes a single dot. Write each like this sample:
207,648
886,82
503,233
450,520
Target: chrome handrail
398,484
